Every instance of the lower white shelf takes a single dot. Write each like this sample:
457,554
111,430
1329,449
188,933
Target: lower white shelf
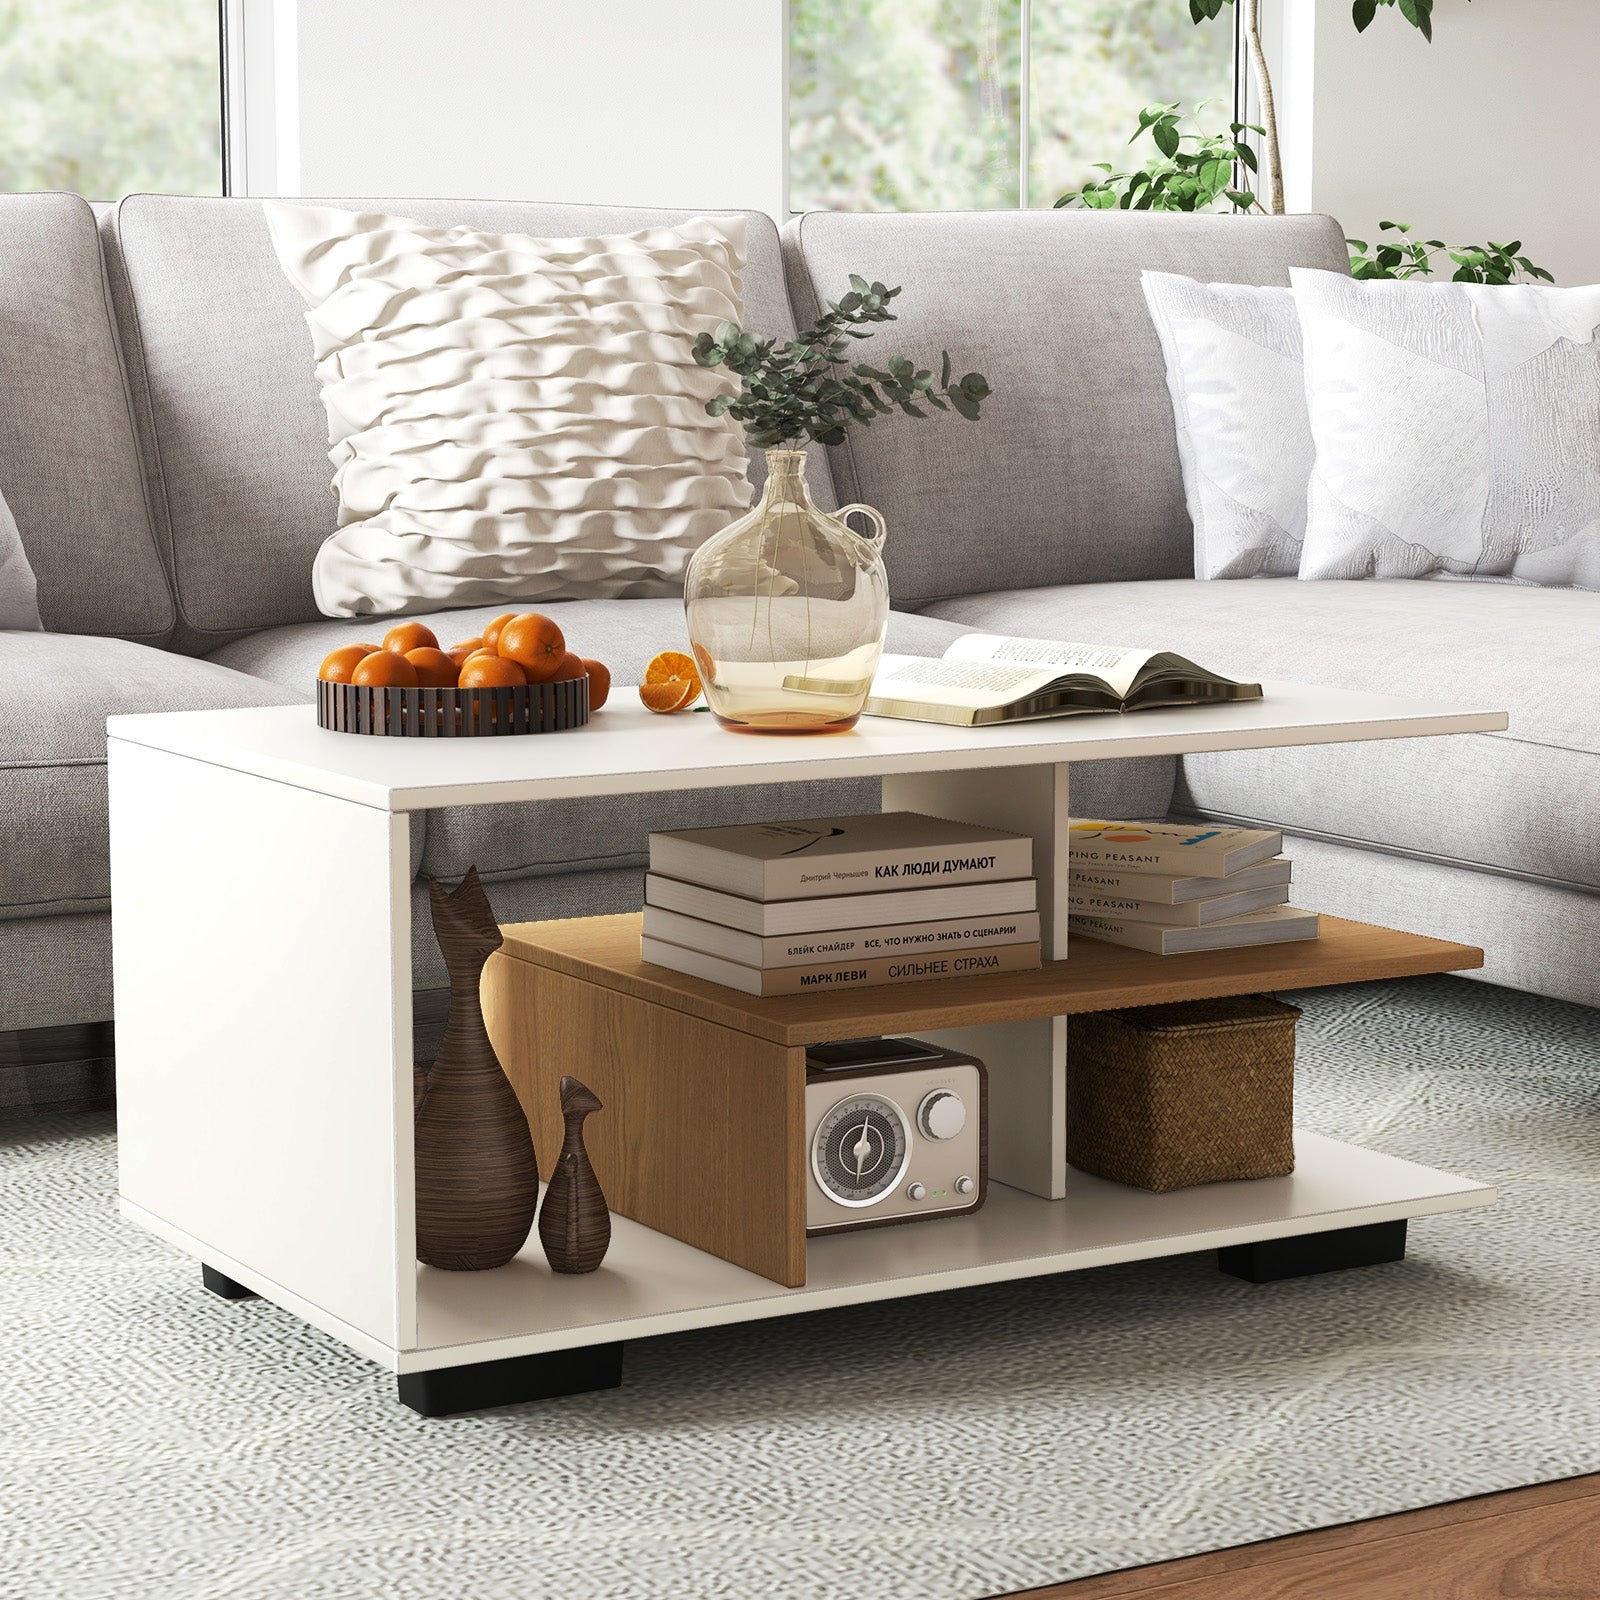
652,1284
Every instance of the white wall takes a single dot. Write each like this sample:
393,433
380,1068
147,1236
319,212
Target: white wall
1490,132
628,102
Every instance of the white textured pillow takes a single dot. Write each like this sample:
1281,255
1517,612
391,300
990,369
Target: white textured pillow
1238,397
514,418
19,593
1457,429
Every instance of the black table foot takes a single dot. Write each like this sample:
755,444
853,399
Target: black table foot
484,1384
1268,1260
221,1283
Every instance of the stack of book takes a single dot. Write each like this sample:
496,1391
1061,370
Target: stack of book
840,902
1174,887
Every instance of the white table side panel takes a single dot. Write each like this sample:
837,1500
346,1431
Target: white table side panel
261,958
297,1305
650,1284
1027,1061
628,750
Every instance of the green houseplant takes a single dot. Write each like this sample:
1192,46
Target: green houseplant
787,608
1192,170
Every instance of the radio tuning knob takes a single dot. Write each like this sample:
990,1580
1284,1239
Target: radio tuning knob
964,1184
942,1114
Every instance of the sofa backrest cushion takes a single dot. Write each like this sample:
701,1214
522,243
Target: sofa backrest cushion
1072,475
231,421
69,465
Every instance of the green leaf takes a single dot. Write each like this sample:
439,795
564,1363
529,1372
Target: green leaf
1363,11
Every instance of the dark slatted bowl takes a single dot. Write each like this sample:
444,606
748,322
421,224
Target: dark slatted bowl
453,713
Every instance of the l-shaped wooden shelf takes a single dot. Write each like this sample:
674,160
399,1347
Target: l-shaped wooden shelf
1095,977
704,1087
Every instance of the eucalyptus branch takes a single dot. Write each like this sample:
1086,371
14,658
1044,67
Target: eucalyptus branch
808,388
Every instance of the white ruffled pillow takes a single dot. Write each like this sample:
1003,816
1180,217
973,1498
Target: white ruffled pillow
19,592
514,418
1457,430
1244,438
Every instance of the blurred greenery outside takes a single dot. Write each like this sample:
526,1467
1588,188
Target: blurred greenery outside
895,105
110,97
915,105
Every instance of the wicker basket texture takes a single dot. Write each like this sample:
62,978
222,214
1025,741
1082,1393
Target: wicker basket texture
1163,1097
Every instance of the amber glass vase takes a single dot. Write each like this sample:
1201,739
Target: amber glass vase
787,609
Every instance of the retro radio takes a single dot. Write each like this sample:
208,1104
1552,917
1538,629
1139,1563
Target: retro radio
896,1131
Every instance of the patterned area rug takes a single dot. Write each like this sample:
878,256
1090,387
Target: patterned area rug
158,1442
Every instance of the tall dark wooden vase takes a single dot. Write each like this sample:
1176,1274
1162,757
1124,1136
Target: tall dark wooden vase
575,1223
477,1176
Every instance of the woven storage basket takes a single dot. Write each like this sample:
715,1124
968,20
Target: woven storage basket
1167,1096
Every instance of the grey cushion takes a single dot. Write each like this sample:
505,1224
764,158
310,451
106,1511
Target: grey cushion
1073,475
1520,802
56,691
69,468
581,836
1534,936
220,361
54,971
19,589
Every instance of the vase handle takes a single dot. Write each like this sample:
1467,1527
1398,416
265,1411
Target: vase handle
880,528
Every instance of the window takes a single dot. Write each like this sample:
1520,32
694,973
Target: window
107,97
917,105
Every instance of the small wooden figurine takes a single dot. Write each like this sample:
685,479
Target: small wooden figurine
477,1176
575,1224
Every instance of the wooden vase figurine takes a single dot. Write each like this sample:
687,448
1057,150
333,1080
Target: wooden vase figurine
575,1225
477,1176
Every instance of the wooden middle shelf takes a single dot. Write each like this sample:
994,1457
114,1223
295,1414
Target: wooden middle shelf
1095,977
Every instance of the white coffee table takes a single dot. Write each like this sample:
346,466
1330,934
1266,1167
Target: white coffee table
261,892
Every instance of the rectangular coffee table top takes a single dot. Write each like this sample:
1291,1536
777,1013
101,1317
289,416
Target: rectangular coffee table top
626,749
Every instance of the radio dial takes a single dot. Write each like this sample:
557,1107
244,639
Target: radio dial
942,1114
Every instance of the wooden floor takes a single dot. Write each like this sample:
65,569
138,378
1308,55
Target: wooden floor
1529,1544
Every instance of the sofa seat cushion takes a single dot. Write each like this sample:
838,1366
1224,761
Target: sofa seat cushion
557,836
1521,802
58,689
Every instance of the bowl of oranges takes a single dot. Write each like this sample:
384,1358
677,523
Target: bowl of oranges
518,676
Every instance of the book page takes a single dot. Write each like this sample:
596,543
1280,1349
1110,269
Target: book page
975,684
1117,666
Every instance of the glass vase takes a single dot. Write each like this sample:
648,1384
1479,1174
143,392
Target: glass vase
787,609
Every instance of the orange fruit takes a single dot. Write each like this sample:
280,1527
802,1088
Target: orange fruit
535,643
491,634
569,666
599,682
405,637
672,664
435,670
459,652
486,671
338,666
674,694
671,682
384,669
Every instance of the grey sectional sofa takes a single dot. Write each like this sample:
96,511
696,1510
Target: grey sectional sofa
162,449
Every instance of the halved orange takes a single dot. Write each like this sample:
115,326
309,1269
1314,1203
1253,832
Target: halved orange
676,694
671,682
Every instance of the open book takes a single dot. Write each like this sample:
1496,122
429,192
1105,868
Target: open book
988,677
